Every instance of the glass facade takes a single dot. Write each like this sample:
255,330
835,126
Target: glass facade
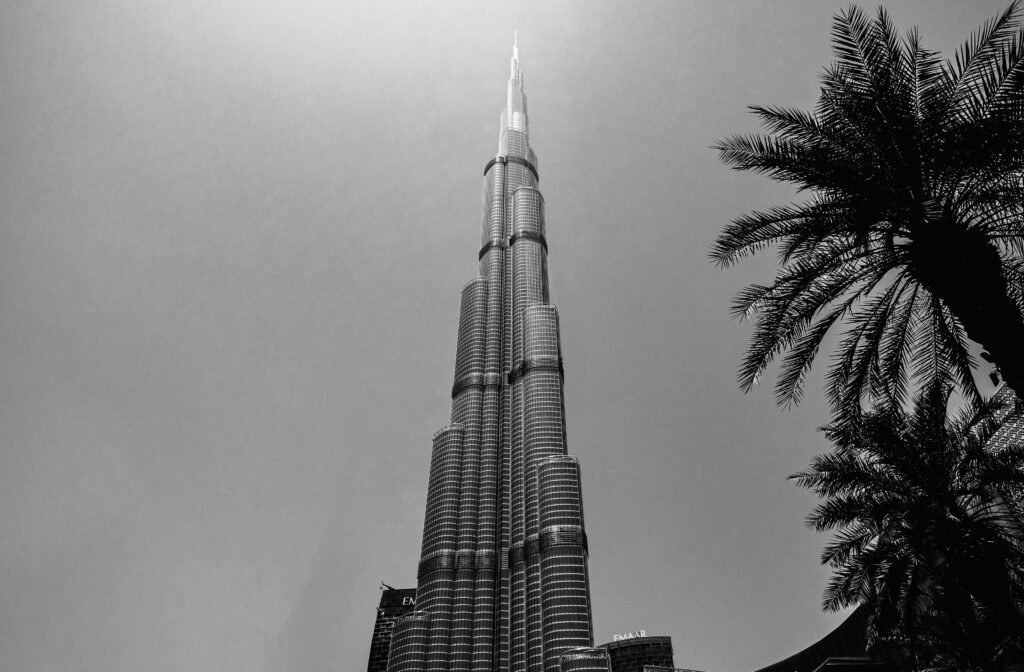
394,602
502,579
636,653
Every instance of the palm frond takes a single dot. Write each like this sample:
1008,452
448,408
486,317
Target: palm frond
972,63
922,533
852,377
786,309
756,230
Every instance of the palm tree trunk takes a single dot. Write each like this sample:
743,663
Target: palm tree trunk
963,269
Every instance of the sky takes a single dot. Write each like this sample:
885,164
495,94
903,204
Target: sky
232,240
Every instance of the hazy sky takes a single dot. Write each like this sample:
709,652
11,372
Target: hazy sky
232,240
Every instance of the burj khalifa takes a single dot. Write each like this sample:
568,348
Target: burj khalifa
502,582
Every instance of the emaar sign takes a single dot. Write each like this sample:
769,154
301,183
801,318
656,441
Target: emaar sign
629,635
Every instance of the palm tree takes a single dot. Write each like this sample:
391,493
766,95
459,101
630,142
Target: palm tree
912,234
923,536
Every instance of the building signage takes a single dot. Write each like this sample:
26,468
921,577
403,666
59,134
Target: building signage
629,635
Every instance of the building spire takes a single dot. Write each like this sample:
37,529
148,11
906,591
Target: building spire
515,53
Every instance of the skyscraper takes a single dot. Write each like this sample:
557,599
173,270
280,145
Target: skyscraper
394,603
502,579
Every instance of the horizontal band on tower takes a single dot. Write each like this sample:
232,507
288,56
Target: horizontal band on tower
529,235
457,560
489,245
531,365
476,380
437,561
519,235
531,547
550,537
486,559
563,535
515,555
513,159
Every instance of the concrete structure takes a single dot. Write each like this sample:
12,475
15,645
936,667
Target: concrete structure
502,579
